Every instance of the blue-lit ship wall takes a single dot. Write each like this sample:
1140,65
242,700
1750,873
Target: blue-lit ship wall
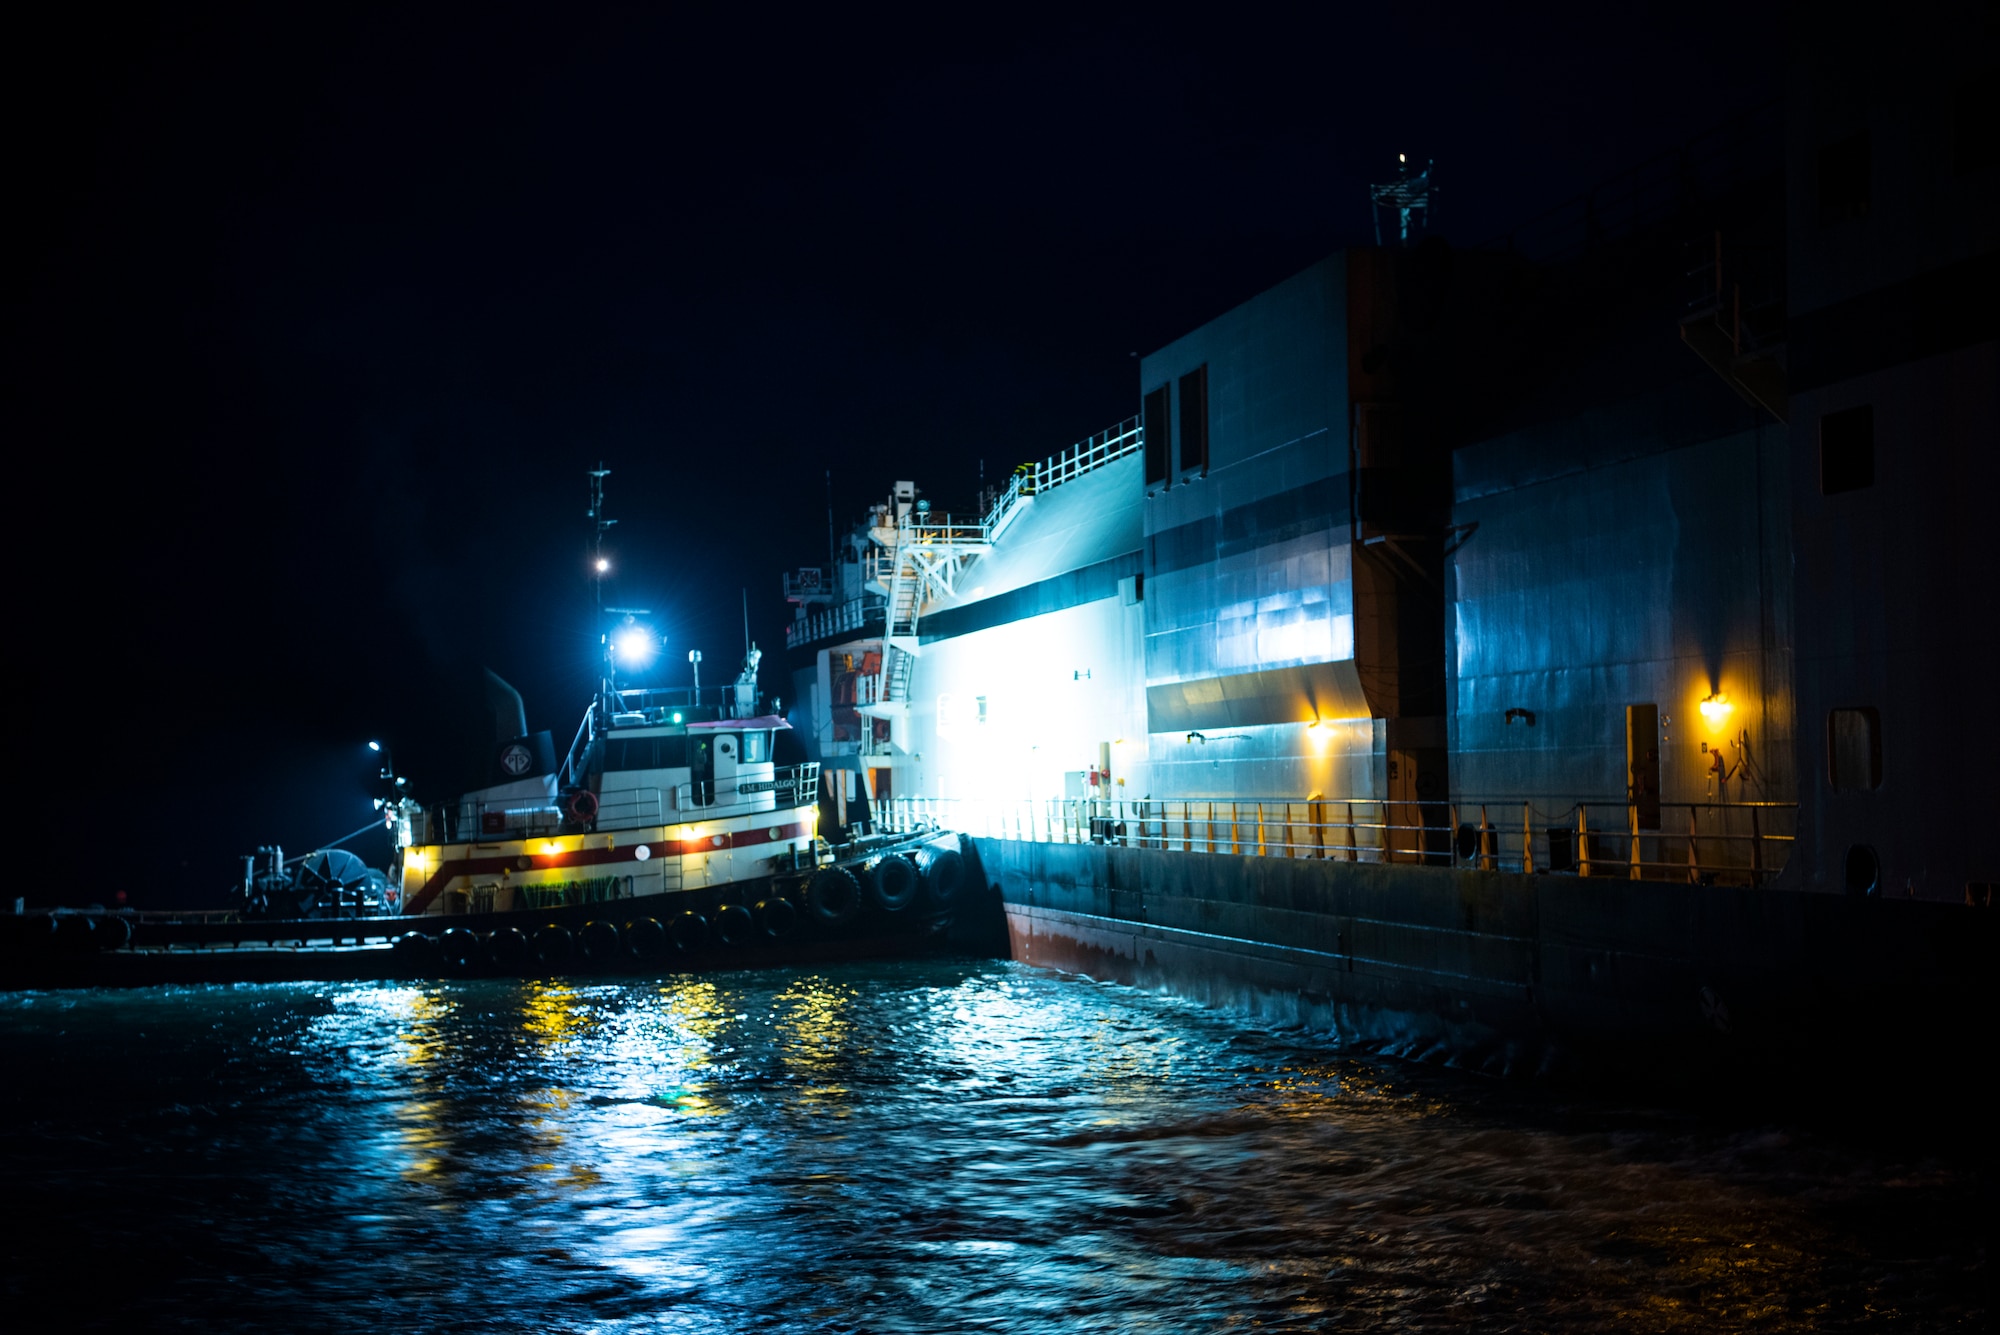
1548,546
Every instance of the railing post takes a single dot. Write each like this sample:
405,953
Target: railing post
1582,841
1634,864
1694,855
1528,838
1487,843
1261,850
1208,843
1316,811
1353,840
1235,833
1756,850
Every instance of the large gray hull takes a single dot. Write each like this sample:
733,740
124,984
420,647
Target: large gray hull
1508,972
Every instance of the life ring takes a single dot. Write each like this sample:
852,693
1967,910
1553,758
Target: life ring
894,883
944,872
833,895
734,926
583,806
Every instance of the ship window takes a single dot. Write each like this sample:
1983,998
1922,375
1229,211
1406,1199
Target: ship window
756,747
1159,436
1194,420
621,753
1854,750
627,753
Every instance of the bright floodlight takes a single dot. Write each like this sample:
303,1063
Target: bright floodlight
374,746
602,566
635,646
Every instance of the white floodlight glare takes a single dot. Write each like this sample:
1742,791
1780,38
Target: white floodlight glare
602,565
374,746
635,646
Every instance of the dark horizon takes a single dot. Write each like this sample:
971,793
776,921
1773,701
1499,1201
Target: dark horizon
323,319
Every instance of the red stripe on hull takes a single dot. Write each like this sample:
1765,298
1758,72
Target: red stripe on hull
595,857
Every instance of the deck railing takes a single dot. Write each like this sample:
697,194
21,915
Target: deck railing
1742,843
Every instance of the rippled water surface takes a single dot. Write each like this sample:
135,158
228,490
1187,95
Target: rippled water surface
921,1147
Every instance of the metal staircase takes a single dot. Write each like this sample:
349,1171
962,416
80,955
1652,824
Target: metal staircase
922,566
920,561
1735,319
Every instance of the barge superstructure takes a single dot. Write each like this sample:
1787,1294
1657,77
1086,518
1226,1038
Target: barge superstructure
1565,640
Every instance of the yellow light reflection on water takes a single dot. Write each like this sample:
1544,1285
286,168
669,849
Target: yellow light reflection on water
552,1013
814,1024
422,1124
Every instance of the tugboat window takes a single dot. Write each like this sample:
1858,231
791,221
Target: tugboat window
622,753
756,747
670,753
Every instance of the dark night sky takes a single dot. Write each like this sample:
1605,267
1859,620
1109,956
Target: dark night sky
316,319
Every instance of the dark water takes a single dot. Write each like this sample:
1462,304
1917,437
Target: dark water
916,1147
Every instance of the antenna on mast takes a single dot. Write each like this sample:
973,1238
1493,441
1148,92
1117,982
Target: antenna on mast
599,566
1405,197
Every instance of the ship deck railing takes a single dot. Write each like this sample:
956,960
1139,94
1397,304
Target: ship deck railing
635,808
1705,843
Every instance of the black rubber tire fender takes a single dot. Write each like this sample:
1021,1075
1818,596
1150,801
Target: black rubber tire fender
778,916
893,883
689,932
600,941
553,945
944,876
460,948
508,949
646,938
734,926
415,953
75,935
114,932
833,896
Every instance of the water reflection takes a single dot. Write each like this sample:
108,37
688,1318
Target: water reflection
924,1147
814,1029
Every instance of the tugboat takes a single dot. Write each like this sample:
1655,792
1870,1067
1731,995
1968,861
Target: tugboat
683,829
680,826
